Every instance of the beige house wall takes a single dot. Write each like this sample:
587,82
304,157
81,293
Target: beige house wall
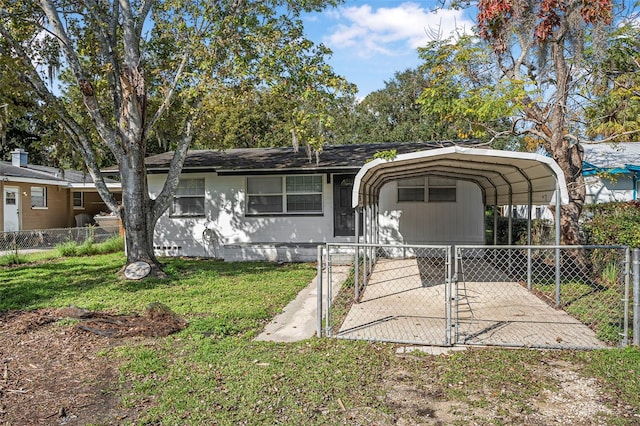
55,215
59,212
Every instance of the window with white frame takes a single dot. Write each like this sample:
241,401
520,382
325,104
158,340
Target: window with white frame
78,200
298,194
188,199
411,190
441,189
38,197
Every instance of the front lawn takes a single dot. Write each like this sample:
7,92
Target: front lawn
213,372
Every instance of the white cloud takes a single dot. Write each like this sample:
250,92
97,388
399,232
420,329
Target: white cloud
392,30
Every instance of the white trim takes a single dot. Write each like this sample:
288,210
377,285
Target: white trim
62,184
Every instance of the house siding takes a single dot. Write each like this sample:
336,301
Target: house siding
55,215
605,190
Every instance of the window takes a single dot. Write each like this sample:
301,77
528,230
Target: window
442,190
38,197
411,190
189,198
10,199
284,195
437,190
78,200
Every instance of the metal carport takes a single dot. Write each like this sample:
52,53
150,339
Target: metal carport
504,177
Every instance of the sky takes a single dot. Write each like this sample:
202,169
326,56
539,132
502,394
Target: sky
371,40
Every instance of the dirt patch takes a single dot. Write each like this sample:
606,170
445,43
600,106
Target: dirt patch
52,373
577,400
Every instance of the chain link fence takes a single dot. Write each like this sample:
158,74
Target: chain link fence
555,297
516,296
42,239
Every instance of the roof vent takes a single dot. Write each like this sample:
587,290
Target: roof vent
19,157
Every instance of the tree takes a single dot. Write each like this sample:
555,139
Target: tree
536,52
392,114
140,68
462,95
615,113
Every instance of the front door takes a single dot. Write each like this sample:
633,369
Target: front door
11,202
344,218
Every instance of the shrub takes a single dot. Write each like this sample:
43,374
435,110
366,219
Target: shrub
68,249
111,245
613,224
89,247
13,258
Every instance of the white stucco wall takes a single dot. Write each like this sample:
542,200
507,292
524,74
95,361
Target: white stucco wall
432,223
226,232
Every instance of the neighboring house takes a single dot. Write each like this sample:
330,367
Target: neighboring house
611,174
276,204
42,197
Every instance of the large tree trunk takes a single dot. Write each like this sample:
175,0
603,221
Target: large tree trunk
137,212
568,156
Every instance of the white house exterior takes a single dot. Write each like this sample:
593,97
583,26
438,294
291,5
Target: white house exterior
611,174
276,205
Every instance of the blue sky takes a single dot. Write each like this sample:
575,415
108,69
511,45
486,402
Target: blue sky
373,39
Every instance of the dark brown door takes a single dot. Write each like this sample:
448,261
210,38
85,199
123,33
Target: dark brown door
344,218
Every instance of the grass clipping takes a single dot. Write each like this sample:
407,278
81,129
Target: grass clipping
158,321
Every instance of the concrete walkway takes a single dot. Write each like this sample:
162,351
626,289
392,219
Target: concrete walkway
299,320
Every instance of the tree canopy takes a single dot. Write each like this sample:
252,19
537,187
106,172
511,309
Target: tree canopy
133,70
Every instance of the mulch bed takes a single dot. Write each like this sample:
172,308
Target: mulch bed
52,373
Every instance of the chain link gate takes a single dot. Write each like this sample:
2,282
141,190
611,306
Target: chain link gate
478,295
391,293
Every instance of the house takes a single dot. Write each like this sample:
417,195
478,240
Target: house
43,197
276,204
611,173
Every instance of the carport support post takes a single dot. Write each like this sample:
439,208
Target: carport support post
319,284
636,296
356,260
558,213
495,221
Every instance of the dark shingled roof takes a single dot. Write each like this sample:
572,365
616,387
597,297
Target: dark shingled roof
32,171
341,157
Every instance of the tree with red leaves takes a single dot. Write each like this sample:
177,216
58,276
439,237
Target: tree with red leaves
541,42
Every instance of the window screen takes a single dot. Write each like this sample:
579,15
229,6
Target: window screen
189,198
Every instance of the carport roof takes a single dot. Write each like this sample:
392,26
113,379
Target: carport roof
505,177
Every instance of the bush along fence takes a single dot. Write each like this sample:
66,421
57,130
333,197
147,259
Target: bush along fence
566,297
49,238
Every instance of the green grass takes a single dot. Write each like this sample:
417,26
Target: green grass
214,373
597,306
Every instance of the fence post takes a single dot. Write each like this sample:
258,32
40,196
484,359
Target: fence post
319,289
327,267
636,296
557,261
529,268
448,293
